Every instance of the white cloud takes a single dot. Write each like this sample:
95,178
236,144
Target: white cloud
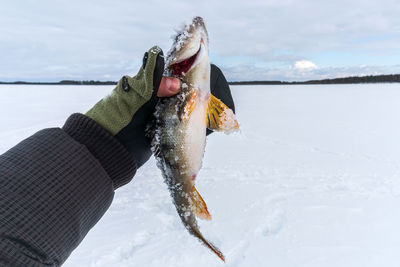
93,39
250,72
304,65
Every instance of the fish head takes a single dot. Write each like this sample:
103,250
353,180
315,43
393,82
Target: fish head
188,57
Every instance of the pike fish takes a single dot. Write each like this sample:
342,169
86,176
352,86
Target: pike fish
179,128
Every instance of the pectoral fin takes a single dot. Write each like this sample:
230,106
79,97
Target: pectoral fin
199,206
219,117
190,106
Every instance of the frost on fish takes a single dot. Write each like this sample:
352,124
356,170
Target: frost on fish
179,125
181,36
229,123
220,118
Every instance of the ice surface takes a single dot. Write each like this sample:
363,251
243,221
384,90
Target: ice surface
312,179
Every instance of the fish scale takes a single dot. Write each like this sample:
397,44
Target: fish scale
180,123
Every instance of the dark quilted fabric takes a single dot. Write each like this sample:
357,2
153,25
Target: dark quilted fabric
54,187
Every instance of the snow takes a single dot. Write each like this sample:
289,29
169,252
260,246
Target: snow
311,179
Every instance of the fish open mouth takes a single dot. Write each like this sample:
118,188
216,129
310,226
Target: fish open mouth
185,65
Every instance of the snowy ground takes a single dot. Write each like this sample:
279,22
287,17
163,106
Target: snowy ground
312,179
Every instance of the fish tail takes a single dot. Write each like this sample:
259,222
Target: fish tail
208,244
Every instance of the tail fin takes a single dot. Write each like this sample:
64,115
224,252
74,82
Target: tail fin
208,244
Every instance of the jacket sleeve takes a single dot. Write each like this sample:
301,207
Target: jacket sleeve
220,89
54,187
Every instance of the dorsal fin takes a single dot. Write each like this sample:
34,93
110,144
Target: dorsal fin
219,117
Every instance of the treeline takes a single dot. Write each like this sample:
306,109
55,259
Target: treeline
65,82
391,78
91,82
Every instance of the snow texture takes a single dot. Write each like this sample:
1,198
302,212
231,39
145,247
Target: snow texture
312,179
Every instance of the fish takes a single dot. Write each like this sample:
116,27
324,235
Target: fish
180,123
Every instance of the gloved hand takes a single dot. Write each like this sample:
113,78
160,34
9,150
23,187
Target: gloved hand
127,110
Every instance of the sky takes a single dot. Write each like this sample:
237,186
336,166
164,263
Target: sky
51,40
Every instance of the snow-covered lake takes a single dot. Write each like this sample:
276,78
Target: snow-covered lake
312,179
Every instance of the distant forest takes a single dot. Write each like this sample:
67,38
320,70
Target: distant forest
392,78
66,82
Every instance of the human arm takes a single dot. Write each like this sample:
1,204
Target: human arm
56,184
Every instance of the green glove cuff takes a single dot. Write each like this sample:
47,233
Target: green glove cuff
116,110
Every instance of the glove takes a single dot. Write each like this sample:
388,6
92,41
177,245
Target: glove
127,110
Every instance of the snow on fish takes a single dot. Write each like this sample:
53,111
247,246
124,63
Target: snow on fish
179,128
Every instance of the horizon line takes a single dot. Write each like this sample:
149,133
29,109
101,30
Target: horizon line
348,79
